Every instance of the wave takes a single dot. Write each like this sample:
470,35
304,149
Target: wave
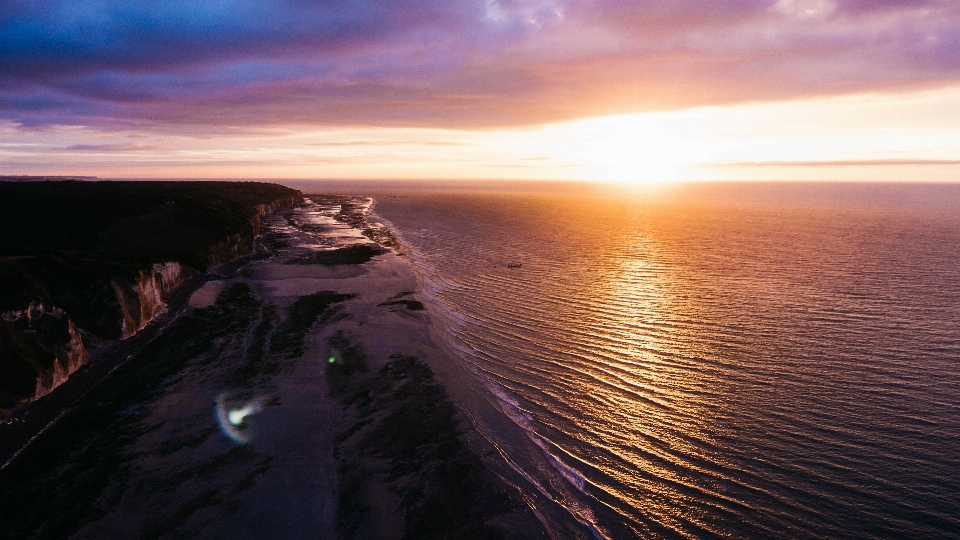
539,468
683,372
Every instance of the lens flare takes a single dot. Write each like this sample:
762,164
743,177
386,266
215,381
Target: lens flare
232,416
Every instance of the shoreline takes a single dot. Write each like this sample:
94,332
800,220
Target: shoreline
498,431
375,449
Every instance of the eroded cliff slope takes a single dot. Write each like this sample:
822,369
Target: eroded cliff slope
84,262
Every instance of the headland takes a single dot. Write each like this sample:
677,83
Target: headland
84,266
292,396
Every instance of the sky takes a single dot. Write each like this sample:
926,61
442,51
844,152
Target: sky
635,91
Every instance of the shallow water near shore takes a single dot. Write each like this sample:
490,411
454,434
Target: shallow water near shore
733,361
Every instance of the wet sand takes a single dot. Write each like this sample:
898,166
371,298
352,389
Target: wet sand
290,401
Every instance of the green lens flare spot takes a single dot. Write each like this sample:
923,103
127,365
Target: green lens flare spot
236,417
332,360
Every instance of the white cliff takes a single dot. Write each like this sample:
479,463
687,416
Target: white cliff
142,301
76,357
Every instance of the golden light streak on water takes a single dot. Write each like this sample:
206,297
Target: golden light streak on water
723,367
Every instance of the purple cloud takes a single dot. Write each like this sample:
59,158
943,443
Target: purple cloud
453,64
129,147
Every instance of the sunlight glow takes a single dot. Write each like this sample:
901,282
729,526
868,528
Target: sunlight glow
907,136
629,149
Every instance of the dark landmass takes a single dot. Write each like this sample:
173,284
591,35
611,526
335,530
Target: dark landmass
159,221
413,305
343,436
33,417
78,472
31,178
85,262
350,255
404,435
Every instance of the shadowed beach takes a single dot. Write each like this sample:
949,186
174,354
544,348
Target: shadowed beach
293,397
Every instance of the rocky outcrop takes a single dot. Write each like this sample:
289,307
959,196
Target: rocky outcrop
48,348
77,355
143,300
41,345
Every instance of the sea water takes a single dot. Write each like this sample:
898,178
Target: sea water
746,361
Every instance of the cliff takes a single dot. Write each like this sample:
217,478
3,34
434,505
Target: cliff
42,347
83,262
143,299
238,245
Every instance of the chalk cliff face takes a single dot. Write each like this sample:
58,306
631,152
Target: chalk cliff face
46,347
228,249
143,300
40,346
50,348
238,245
76,356
263,209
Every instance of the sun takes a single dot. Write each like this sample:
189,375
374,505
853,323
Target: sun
629,149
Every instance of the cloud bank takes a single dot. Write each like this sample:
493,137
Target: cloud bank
217,64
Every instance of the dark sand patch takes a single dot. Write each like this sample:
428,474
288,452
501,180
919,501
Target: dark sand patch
404,437
305,311
350,255
395,300
412,305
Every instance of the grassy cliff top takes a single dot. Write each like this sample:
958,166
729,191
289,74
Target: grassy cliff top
90,216
63,234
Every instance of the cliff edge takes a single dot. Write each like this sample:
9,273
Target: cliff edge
82,263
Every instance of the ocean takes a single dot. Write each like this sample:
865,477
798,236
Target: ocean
739,360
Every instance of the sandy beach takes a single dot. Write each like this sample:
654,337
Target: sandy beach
294,398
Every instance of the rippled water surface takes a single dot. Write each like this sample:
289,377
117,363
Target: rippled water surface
754,366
